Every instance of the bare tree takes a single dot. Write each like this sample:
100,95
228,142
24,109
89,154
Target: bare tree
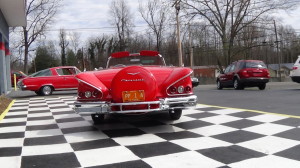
229,17
63,43
75,40
155,15
121,18
40,14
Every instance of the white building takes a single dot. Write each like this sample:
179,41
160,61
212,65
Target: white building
12,14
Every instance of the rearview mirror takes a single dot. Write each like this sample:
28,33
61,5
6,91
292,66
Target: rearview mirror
195,81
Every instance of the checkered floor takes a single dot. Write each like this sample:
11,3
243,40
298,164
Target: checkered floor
45,132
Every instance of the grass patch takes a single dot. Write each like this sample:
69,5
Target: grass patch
4,103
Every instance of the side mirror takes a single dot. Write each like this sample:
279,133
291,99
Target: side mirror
195,81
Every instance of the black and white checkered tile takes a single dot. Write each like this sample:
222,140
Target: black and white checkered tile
45,132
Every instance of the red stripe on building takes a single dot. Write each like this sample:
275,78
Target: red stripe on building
2,46
7,52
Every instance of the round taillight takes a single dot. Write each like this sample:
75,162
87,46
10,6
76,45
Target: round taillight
80,94
173,89
188,89
180,89
87,94
96,93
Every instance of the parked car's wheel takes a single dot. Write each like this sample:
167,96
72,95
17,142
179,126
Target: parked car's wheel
46,90
175,114
237,85
219,85
97,118
262,86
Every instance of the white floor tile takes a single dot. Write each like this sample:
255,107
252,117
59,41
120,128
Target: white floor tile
74,124
219,119
200,143
12,142
213,130
12,129
161,129
105,156
267,118
13,120
266,162
190,159
41,122
43,133
225,111
46,149
269,144
11,162
268,128
138,140
85,136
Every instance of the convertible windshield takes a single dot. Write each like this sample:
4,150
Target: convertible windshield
136,60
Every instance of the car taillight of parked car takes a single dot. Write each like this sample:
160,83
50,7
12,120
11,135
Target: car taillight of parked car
294,68
86,92
245,74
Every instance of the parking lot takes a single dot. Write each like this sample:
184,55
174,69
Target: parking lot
45,132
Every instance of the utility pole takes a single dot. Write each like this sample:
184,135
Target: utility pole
191,50
277,53
177,7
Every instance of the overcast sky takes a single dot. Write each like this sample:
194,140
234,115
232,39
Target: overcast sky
83,15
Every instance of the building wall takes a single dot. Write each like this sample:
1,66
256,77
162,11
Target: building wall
5,85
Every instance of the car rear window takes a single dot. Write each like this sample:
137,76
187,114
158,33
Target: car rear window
256,64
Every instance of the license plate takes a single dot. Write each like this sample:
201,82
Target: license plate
133,96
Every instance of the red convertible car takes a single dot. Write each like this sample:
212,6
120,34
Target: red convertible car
135,84
46,81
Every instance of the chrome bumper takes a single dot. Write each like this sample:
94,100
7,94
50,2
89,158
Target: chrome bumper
163,104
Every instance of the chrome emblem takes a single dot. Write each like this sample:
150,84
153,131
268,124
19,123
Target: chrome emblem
132,80
133,73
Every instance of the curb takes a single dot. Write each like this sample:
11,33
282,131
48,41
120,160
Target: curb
7,109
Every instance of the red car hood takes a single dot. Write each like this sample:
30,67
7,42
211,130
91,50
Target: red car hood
163,75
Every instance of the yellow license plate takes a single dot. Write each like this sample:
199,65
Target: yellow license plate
133,96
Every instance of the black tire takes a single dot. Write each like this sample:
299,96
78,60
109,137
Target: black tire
262,86
38,93
175,114
46,90
237,84
97,118
219,85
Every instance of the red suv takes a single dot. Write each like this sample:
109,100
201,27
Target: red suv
244,73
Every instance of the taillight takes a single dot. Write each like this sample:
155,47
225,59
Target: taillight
181,87
173,89
87,92
294,68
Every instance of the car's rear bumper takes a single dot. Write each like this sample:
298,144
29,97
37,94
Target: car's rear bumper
295,79
162,104
254,80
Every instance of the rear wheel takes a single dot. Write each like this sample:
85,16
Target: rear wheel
38,92
219,85
175,114
262,86
46,90
237,85
97,118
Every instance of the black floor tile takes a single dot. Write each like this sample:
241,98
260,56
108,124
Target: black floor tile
10,151
123,132
192,124
16,116
69,120
178,135
129,164
146,123
78,129
245,114
290,134
62,160
12,135
244,123
202,115
41,127
230,154
291,153
155,149
40,118
45,140
12,124
238,136
102,143
294,122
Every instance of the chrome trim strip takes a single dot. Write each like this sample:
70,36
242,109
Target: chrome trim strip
176,82
164,104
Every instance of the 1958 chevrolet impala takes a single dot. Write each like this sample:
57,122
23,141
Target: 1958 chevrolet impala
135,84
